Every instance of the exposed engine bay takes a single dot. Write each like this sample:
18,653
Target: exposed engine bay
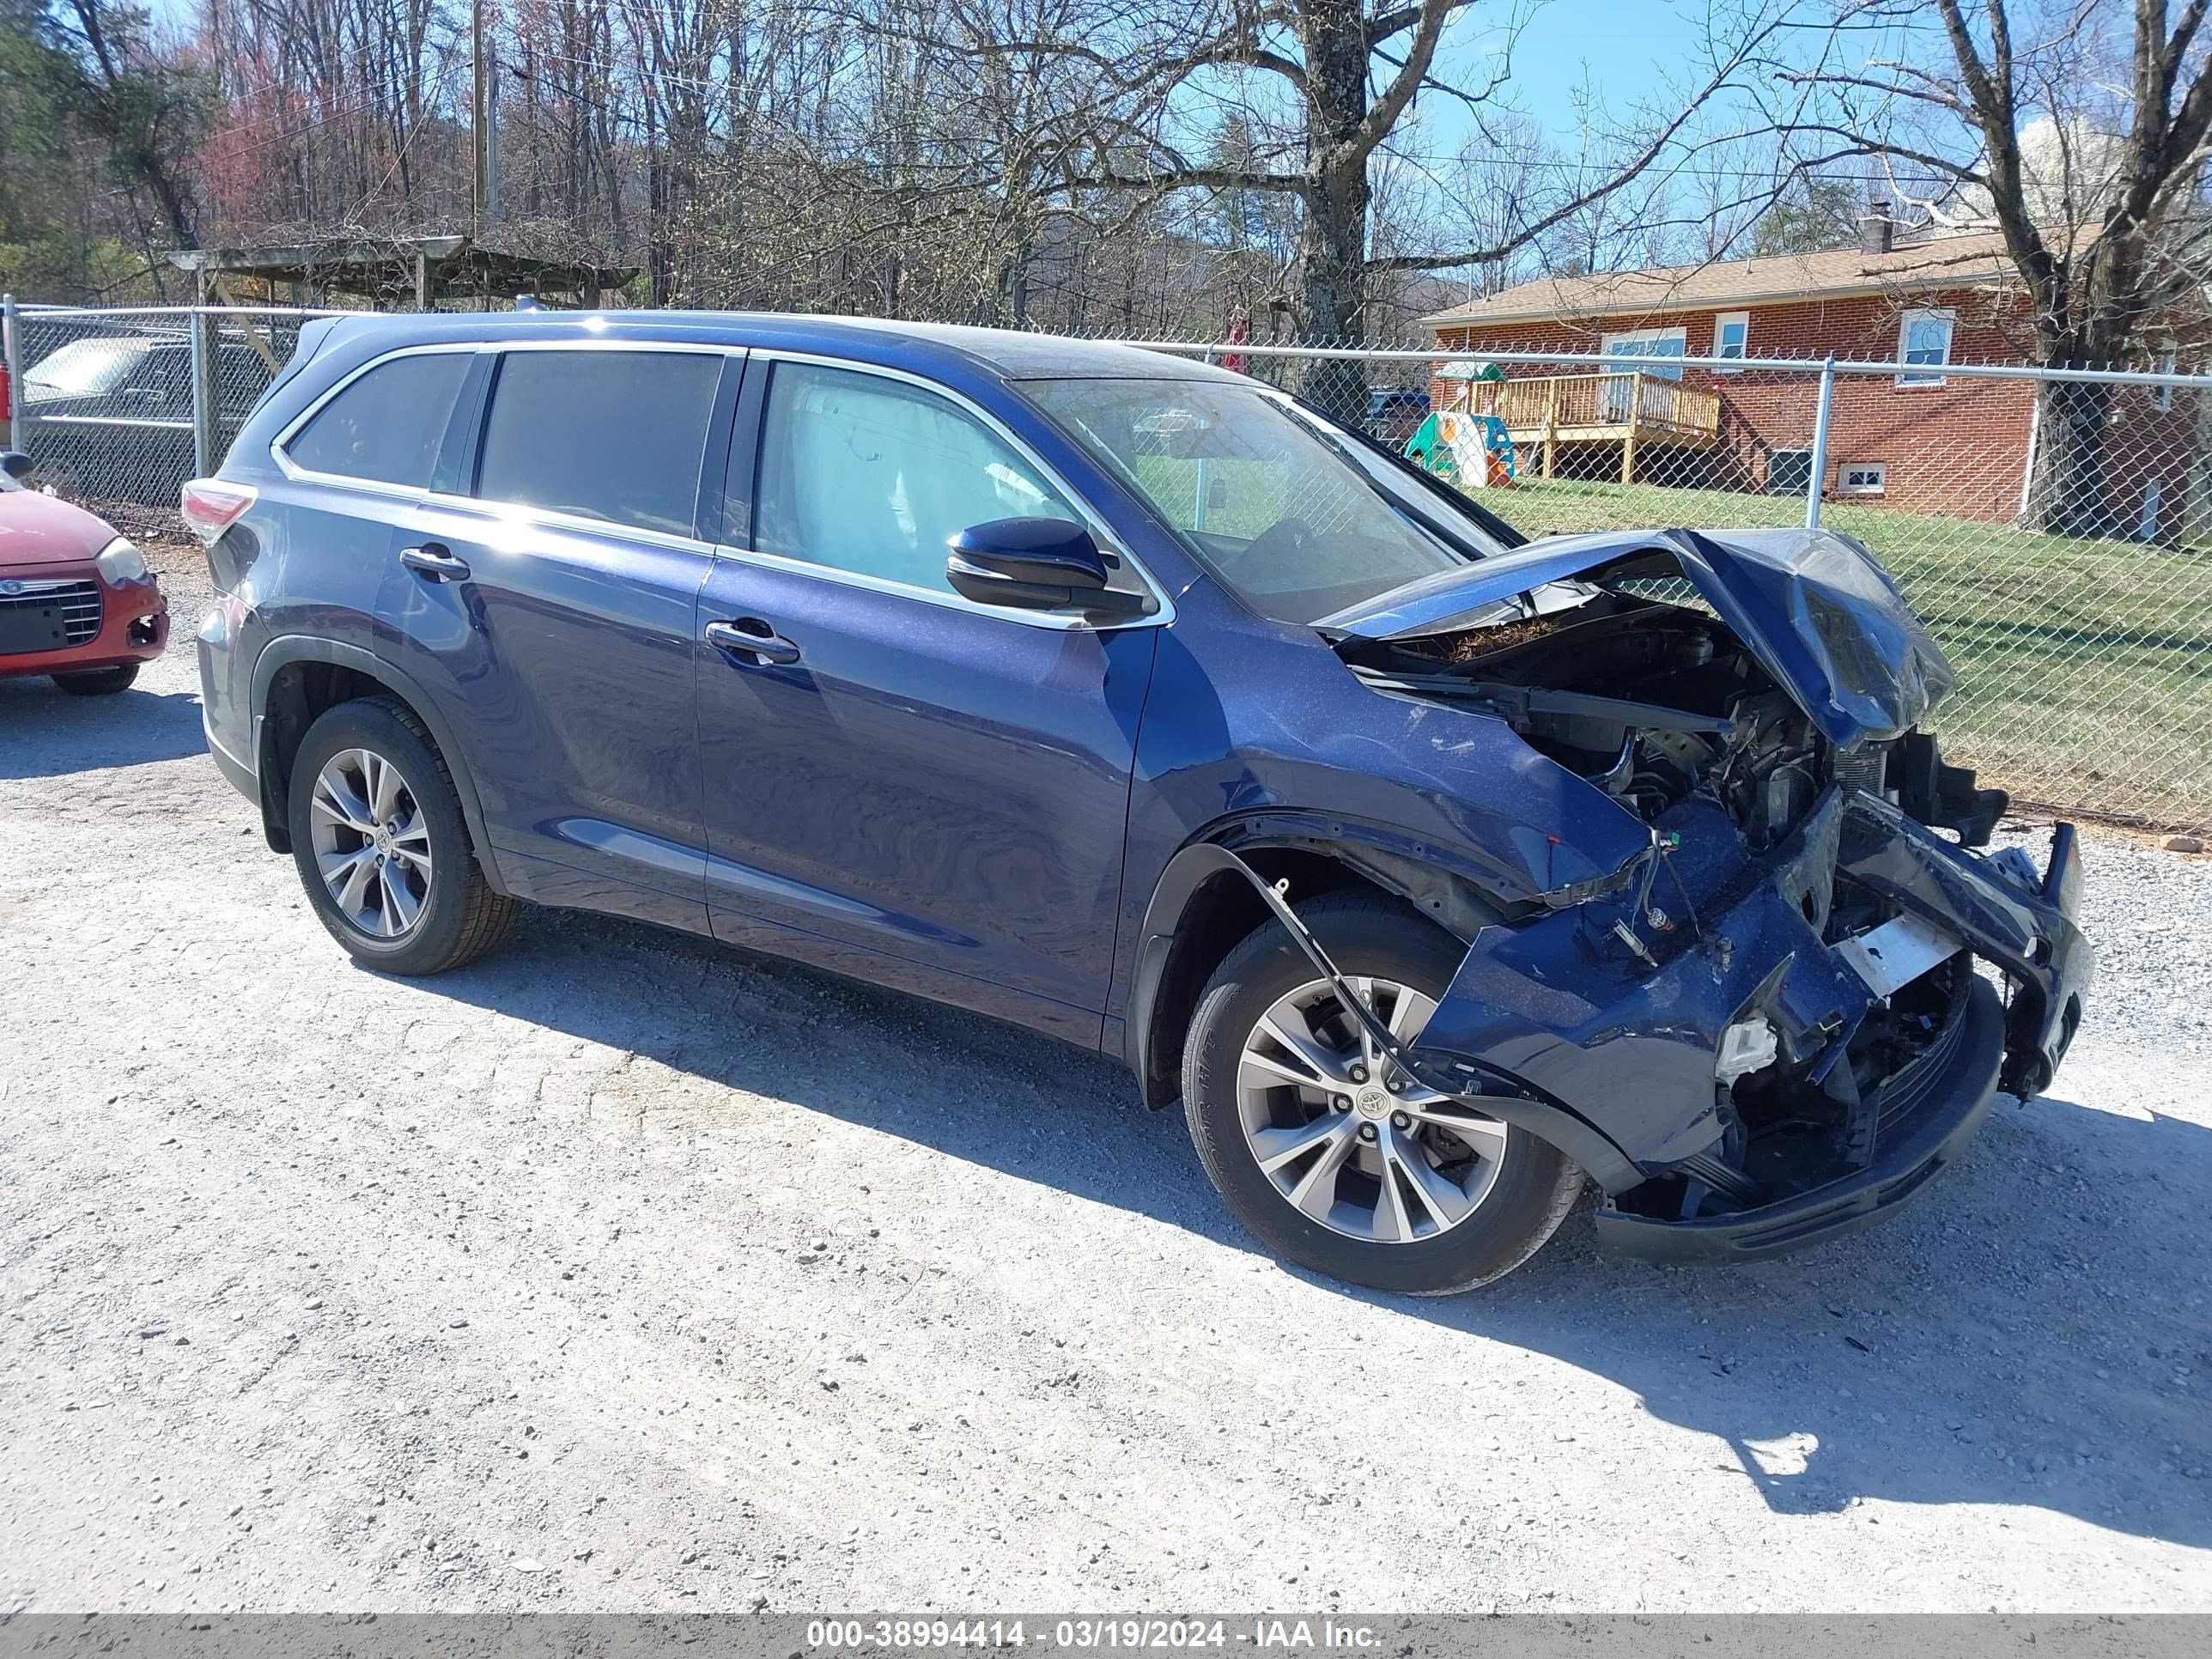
1652,702
1663,708
1771,1024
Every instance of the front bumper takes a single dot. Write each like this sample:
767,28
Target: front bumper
134,626
1621,1046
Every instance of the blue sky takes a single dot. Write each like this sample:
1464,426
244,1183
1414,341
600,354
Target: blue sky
1630,51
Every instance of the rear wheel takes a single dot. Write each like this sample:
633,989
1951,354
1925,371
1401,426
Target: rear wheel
1323,1149
100,682
382,847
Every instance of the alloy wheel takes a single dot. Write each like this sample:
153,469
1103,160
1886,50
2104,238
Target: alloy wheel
372,843
1346,1138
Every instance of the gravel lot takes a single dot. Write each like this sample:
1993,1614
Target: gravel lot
620,1272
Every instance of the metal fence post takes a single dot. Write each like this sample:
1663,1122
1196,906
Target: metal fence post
1820,444
206,400
11,358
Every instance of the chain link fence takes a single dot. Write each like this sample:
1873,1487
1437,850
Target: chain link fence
123,405
2055,529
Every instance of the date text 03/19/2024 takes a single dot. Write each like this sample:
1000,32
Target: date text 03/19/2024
1095,1634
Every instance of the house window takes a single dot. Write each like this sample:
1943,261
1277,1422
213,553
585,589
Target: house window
2161,397
1650,343
1731,334
1924,340
1864,478
1616,389
1788,471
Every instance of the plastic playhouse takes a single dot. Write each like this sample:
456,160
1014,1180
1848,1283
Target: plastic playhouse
1460,444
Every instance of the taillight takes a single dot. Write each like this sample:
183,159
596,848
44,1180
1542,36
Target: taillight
211,506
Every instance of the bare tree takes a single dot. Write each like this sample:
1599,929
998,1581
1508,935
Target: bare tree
1338,79
148,107
2080,130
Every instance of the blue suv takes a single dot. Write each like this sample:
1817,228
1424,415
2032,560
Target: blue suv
1129,699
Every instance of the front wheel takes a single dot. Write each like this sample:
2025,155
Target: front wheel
381,845
100,682
1323,1149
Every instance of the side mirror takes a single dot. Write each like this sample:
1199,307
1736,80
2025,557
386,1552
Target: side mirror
1035,564
15,464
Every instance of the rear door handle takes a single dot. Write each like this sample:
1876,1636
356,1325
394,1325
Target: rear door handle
750,636
435,561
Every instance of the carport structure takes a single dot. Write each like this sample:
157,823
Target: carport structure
399,272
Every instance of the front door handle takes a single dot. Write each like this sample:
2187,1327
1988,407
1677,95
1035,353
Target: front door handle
750,636
435,561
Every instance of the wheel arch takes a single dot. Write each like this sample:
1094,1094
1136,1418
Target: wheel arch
295,679
1195,919
1204,904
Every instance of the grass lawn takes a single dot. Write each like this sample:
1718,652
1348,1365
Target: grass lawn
2085,666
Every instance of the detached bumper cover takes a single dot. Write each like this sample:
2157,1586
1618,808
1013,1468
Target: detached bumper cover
1962,1086
1624,1038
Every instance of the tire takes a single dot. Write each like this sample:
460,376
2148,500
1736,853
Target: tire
1518,1188
434,910
100,682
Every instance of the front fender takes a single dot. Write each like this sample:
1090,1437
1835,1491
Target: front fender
1451,893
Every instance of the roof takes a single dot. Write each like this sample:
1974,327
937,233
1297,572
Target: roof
1007,353
1969,261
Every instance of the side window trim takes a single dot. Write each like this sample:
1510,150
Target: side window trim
280,445
712,510
741,470
749,449
456,459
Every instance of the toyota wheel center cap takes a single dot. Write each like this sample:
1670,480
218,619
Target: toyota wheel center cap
1373,1104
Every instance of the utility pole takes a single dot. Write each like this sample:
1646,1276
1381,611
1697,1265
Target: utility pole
481,195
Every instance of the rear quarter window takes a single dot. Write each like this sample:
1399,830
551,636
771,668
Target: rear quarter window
385,427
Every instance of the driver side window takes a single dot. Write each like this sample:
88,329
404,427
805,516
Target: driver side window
863,473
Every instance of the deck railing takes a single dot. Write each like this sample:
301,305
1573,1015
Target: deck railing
1656,403
1624,407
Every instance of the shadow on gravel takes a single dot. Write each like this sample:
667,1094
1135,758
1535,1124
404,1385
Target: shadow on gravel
46,732
2035,1331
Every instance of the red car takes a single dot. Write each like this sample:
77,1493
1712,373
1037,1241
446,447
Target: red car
77,600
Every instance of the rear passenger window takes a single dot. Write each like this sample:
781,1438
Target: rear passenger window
385,427
615,435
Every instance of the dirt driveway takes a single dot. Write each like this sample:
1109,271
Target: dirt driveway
620,1272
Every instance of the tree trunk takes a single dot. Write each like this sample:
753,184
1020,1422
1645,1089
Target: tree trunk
2071,493
1331,281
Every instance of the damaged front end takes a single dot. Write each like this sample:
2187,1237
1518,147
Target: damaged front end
1777,1020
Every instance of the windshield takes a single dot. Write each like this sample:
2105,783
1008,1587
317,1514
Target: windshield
1271,499
84,367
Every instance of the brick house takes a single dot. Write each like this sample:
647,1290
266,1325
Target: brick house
1920,439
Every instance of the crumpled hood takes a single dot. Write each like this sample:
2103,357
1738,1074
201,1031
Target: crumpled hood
1821,616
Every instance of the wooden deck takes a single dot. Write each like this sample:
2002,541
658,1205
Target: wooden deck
1629,410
